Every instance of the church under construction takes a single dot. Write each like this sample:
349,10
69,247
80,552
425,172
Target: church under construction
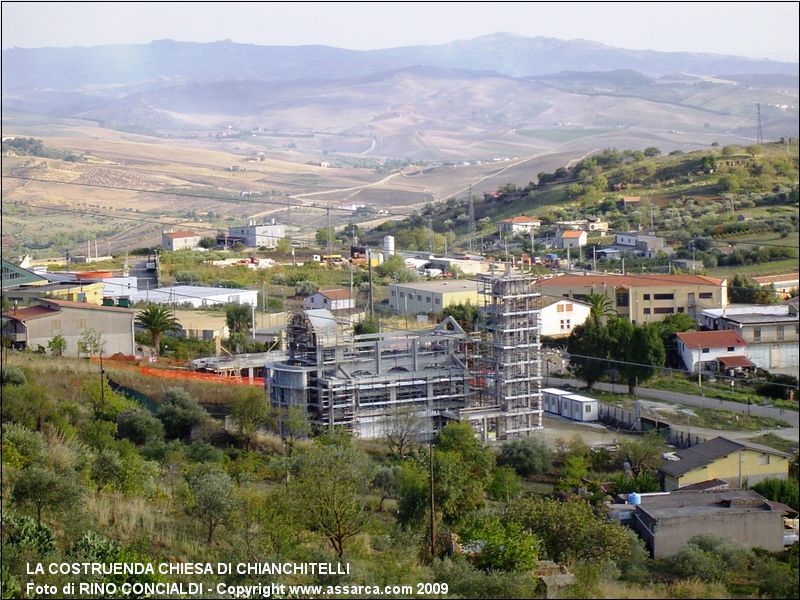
490,378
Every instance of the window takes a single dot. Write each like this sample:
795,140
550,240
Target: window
730,348
756,334
419,297
569,324
680,309
706,350
562,323
587,408
706,295
664,296
82,323
428,299
647,296
779,333
763,459
647,311
623,299
393,293
438,301
402,294
663,310
568,308
560,308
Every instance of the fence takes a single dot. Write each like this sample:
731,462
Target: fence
619,417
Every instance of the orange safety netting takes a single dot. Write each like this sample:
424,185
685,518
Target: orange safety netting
172,373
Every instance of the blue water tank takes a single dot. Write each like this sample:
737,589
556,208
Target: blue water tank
634,498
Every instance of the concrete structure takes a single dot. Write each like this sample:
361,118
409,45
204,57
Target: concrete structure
34,326
642,244
202,325
520,224
772,333
425,297
687,264
645,298
738,463
366,383
666,522
629,202
196,296
15,276
704,350
172,240
561,315
571,238
333,300
595,224
256,236
783,284
467,266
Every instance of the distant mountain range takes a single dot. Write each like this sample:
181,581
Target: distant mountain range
494,96
505,54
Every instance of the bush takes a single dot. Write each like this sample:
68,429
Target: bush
179,413
779,490
12,375
139,427
526,456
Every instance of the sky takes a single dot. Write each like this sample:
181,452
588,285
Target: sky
753,29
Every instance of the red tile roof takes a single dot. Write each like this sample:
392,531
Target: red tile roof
573,233
643,281
711,339
521,219
29,312
181,234
734,362
785,278
336,294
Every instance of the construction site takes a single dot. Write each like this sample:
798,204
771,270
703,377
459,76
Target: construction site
367,383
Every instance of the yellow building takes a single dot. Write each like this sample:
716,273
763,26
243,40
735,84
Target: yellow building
740,464
645,298
425,297
80,291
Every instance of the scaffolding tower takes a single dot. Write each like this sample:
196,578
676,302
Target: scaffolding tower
511,315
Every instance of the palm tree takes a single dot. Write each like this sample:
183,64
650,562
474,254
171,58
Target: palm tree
602,307
157,319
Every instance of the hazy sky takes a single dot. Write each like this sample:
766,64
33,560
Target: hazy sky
757,29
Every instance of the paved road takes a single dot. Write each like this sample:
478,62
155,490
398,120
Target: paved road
790,416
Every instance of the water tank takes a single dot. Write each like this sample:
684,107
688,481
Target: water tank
388,247
634,498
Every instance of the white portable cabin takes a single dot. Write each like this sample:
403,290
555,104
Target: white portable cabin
552,399
579,408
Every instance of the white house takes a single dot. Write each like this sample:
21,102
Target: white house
255,236
560,315
337,299
196,296
709,350
179,240
571,238
520,224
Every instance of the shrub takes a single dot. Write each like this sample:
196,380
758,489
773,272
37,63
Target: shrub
139,427
526,456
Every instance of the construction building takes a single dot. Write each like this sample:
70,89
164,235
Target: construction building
365,383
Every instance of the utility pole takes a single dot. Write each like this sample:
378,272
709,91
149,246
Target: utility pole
330,237
433,503
369,267
760,130
430,233
471,220
102,381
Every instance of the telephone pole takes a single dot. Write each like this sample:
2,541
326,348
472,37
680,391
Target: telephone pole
471,220
433,504
760,131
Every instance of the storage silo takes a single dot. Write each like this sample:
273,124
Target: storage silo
388,247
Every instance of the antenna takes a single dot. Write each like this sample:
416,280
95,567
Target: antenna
760,130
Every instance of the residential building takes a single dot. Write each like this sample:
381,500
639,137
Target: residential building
172,240
333,300
256,236
736,462
424,297
561,315
712,350
519,225
34,326
642,244
629,202
772,333
687,264
783,284
666,522
196,296
200,325
15,276
644,298
571,238
113,286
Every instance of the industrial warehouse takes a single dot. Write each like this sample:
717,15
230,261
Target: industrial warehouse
365,382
